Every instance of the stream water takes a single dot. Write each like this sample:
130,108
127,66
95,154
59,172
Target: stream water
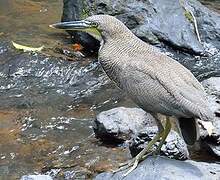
47,106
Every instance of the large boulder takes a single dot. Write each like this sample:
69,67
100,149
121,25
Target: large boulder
121,124
137,128
165,24
154,20
160,168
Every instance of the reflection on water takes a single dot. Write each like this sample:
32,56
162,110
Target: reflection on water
26,21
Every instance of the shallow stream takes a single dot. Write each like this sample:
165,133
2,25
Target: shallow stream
47,102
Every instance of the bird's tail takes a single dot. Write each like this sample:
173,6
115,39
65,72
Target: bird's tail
189,129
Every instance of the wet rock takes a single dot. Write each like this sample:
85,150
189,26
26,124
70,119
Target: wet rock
211,4
212,148
208,23
152,21
30,79
138,127
68,175
160,168
120,124
74,10
174,146
212,143
36,177
212,87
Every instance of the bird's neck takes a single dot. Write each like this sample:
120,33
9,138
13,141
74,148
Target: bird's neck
115,52
120,49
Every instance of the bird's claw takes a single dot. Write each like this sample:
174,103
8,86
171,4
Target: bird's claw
124,166
132,168
133,163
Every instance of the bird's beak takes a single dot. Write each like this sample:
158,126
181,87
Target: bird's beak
74,25
84,25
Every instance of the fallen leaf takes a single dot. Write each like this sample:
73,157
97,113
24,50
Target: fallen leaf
77,47
26,48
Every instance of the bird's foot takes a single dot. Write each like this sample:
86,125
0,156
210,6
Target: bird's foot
132,164
124,166
145,152
135,162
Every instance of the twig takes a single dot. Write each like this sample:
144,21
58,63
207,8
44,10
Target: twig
194,21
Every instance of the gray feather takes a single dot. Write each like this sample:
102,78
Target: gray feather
156,82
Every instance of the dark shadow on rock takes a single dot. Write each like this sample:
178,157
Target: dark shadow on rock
74,10
174,146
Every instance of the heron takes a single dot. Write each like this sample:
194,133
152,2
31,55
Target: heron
155,82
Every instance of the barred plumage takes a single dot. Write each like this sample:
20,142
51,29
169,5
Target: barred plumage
156,82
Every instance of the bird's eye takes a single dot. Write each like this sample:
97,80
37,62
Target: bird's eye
94,24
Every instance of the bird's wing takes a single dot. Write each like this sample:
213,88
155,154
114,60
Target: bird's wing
165,86
184,73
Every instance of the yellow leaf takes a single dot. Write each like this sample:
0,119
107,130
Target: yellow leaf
26,48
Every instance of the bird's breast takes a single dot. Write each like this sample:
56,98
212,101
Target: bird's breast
111,68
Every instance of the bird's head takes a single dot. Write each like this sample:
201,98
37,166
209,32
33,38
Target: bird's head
99,26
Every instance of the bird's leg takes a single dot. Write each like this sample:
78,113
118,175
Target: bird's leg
144,153
159,124
164,135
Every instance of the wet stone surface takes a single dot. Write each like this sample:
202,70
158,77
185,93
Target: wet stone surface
136,128
121,124
27,79
212,143
160,168
174,146
47,106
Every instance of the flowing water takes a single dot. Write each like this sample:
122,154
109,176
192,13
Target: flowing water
47,103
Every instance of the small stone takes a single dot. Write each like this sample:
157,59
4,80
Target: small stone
161,168
36,177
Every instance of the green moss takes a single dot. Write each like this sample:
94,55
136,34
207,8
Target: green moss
85,10
189,16
84,13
